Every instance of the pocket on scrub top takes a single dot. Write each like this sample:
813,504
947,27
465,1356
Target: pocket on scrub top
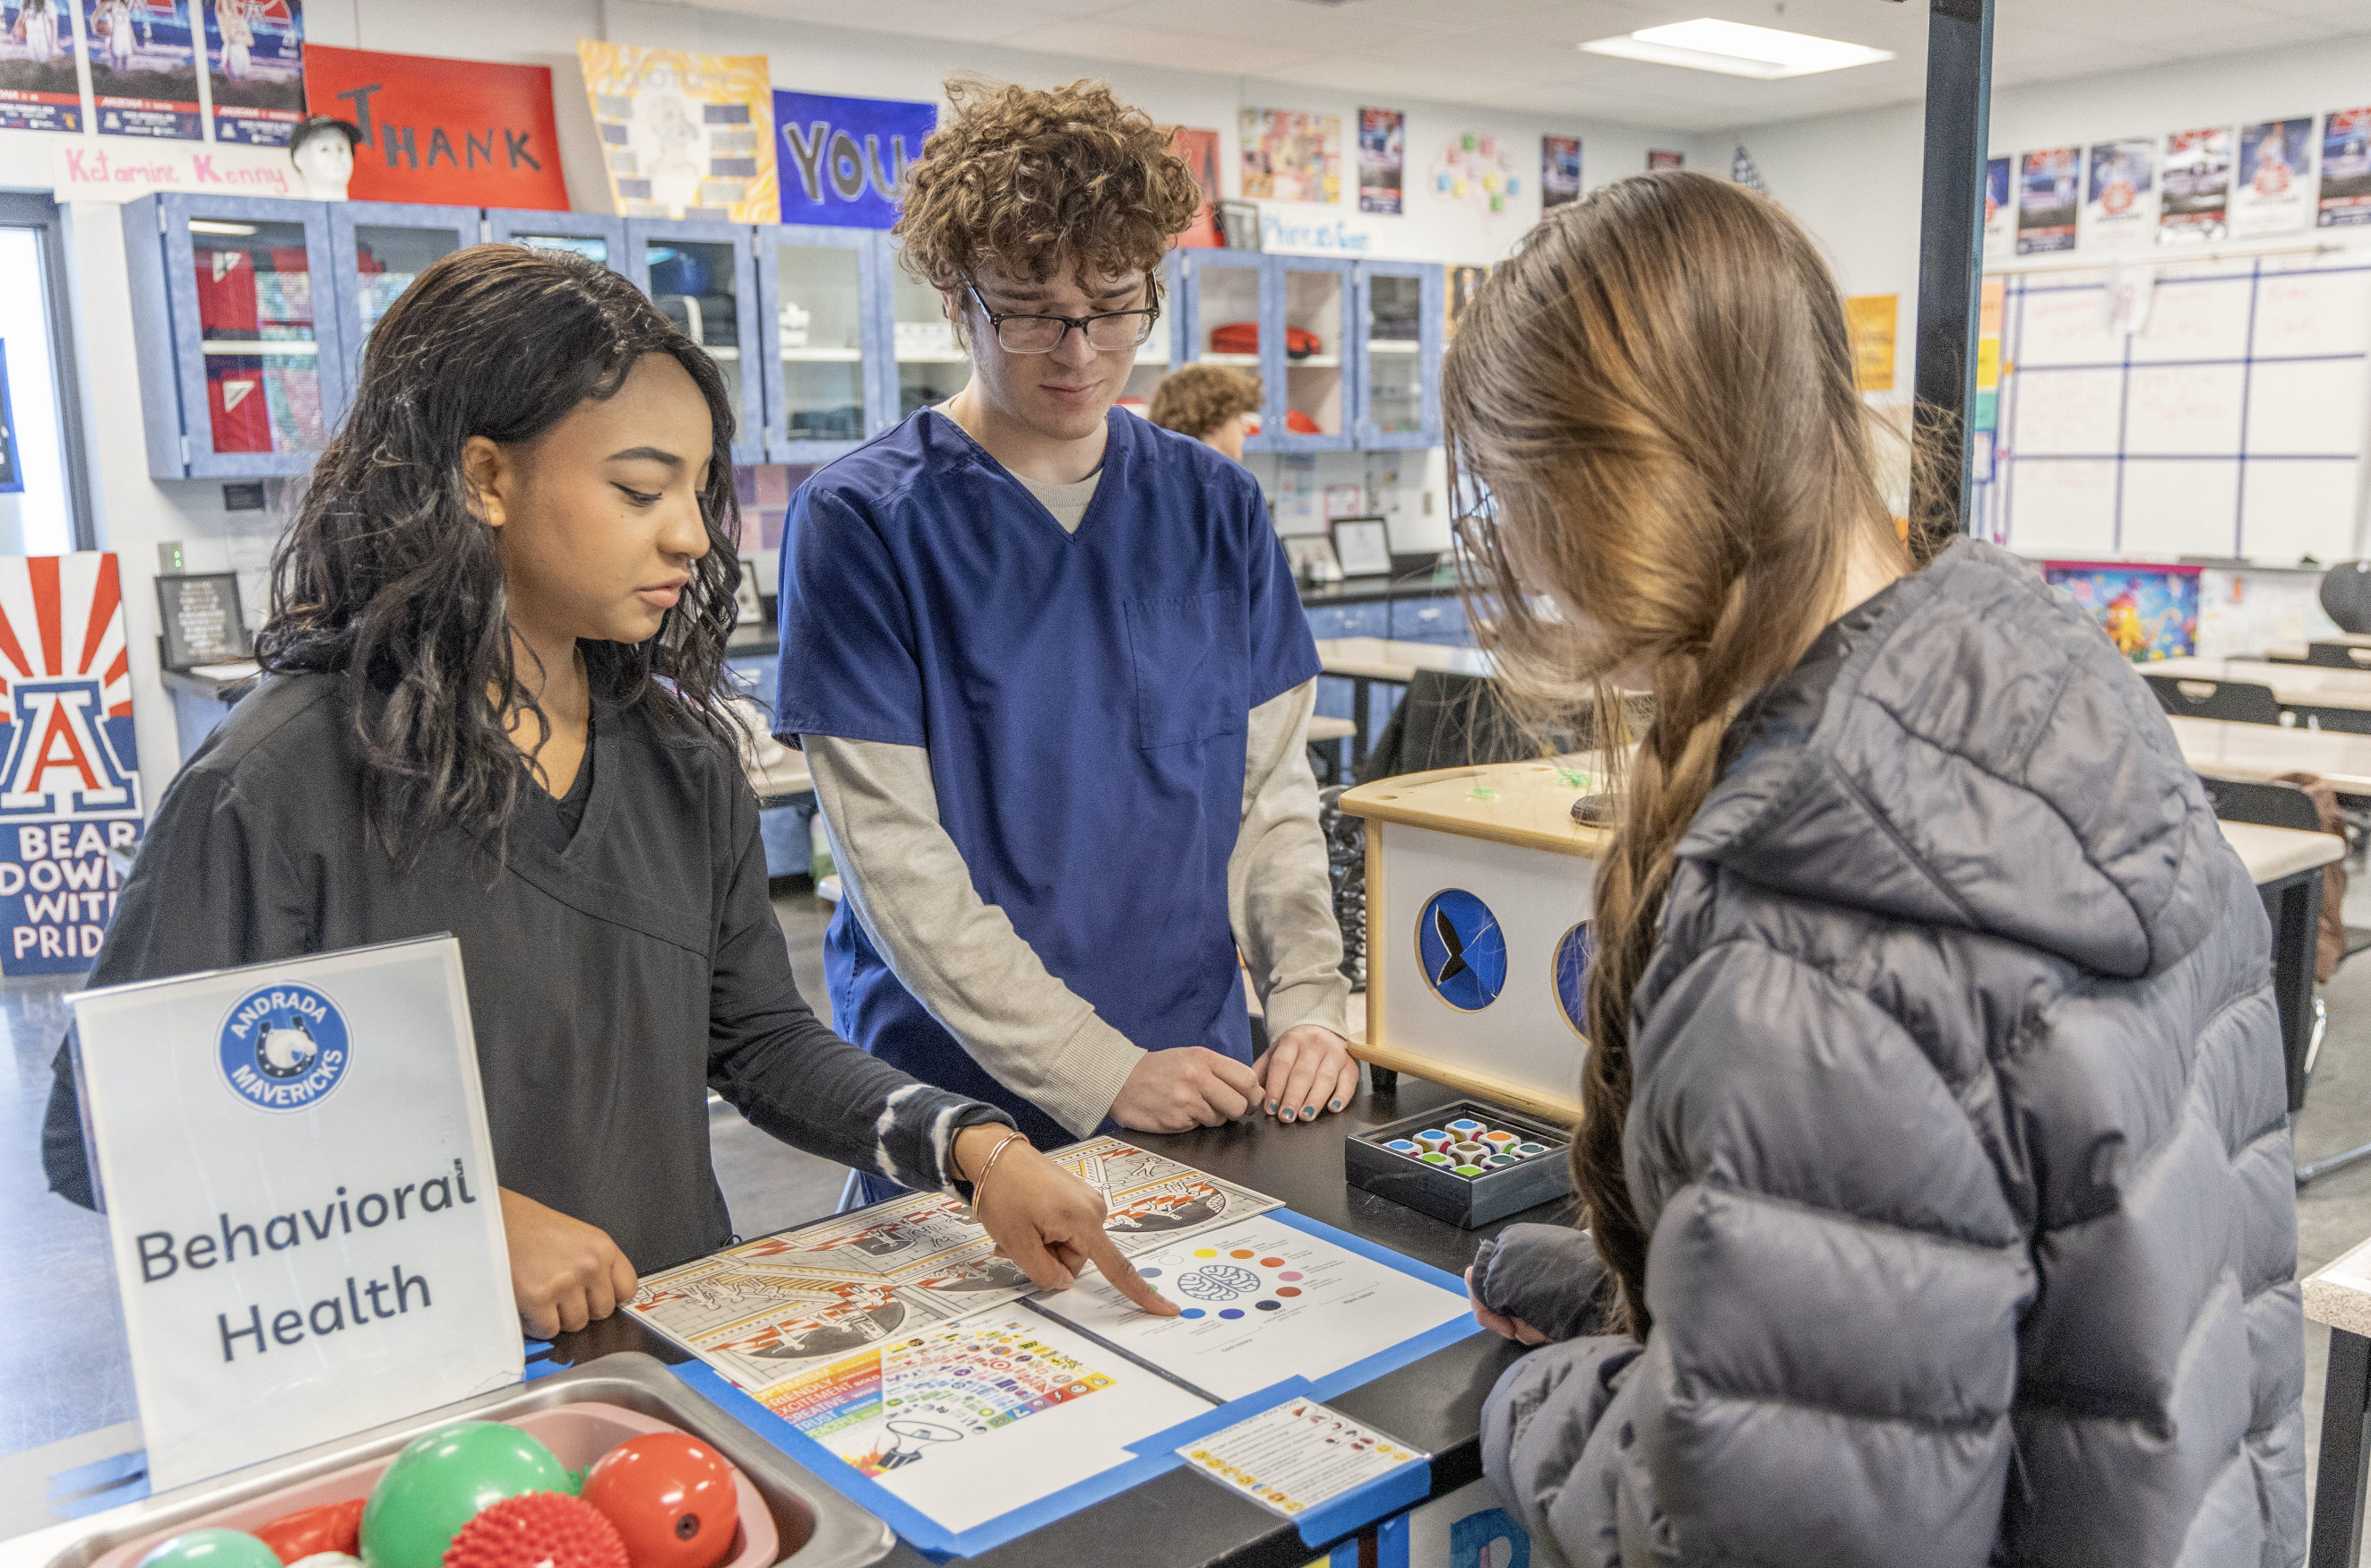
1189,661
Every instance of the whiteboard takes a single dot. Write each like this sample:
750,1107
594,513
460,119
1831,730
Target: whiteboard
2234,425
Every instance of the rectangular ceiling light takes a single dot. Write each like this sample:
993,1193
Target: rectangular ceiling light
1738,50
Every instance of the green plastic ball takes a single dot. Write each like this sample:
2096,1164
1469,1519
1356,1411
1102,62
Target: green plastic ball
440,1481
211,1549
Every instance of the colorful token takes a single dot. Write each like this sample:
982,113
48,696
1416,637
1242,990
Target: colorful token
1432,1138
1528,1150
1468,1152
1497,1138
1498,1162
1468,1171
1433,1157
1466,1127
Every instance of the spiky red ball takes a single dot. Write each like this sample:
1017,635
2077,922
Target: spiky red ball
537,1529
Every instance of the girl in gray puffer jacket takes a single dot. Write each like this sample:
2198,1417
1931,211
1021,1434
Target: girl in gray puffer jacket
1933,1138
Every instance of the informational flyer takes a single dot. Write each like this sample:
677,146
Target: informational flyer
1200,151
1382,159
2345,168
38,88
2196,178
143,68
1291,156
255,58
2119,194
1559,171
2047,203
1661,157
1264,1301
2275,193
2000,213
1296,1456
692,135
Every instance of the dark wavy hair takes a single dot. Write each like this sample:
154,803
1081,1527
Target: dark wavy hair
390,578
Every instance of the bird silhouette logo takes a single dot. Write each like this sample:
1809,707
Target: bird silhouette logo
1461,949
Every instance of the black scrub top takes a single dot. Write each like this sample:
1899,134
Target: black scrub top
614,975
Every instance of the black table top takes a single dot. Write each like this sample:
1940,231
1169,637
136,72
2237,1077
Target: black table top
1179,1519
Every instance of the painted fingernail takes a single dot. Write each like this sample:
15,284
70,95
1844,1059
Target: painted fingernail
1271,1107
1338,1105
1308,1110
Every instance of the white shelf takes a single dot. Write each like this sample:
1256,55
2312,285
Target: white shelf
935,356
259,346
832,356
1393,346
1315,362
721,350
1252,360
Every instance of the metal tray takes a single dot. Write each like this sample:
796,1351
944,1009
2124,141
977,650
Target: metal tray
819,1528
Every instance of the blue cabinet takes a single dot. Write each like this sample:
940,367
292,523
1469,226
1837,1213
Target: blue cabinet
823,321
242,367
702,276
375,249
1306,356
1401,325
591,235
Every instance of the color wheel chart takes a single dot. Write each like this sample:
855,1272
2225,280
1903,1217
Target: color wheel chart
1226,1283
2233,424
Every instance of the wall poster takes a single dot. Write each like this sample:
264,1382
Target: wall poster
687,135
1871,320
143,68
2346,167
1658,158
2197,186
2120,198
38,88
1559,171
1476,167
1200,151
2047,199
842,160
460,133
1382,159
255,60
1291,156
2000,213
1462,284
2274,190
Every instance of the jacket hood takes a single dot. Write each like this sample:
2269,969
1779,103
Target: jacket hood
1967,750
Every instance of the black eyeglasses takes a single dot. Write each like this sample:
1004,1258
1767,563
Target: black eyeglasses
1107,333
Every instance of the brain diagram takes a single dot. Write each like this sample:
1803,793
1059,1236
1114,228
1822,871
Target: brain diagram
1218,1282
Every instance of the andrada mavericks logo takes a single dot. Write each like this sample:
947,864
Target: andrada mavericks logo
285,1047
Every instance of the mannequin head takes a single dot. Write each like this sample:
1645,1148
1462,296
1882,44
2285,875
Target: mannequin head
323,152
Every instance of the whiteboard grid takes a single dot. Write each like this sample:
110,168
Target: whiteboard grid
1997,494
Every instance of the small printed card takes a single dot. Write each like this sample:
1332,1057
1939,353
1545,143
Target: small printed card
1297,1456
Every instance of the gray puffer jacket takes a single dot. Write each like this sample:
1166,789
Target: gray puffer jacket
1958,1128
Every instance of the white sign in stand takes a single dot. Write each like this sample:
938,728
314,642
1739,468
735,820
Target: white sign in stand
301,1191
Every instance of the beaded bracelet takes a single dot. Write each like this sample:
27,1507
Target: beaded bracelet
979,1182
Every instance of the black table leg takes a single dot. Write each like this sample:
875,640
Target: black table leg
2294,905
2345,1465
1359,687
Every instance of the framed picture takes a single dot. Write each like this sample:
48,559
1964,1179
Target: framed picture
1239,224
1363,546
203,624
1311,556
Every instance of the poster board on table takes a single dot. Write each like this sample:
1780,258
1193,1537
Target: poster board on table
143,68
842,160
254,69
301,1197
69,767
451,133
686,136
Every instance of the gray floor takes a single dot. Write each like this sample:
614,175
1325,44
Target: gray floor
66,1373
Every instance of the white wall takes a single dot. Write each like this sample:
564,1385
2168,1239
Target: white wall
135,512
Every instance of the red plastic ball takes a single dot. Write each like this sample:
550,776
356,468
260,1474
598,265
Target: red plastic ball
537,1529
671,1496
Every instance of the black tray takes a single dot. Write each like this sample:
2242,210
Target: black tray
1462,1201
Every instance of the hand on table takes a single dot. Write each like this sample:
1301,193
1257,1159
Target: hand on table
1045,1219
1499,1323
1307,1071
1170,1091
564,1273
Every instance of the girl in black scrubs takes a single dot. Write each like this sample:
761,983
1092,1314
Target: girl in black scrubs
495,706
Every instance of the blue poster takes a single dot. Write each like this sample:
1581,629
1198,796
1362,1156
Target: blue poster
843,159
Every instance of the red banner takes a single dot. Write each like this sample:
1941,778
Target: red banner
462,132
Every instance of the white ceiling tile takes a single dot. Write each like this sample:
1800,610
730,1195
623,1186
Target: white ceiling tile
1093,38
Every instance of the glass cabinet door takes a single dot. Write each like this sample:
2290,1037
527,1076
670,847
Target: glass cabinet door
589,234
1399,360
818,340
931,368
256,336
698,276
1152,357
1314,353
376,248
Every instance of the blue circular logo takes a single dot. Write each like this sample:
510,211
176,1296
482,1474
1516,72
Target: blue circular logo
285,1047
1572,957
1461,949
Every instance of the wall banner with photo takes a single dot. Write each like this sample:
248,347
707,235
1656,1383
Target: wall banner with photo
1383,160
40,88
255,64
143,68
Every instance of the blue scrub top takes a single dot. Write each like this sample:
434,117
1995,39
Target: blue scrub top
1084,699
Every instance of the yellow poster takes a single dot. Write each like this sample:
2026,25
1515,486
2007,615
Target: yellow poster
1870,319
685,136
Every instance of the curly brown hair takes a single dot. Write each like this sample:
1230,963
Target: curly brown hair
1200,398
1029,179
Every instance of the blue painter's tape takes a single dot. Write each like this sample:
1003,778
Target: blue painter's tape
132,1490
1221,1417
100,1473
1392,1541
1392,1492
535,1347
541,1369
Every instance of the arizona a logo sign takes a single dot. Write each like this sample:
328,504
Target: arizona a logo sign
69,778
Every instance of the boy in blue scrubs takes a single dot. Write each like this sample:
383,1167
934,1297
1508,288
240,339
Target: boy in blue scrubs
1053,678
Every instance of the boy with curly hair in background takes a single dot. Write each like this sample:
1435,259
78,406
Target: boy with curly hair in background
1053,679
